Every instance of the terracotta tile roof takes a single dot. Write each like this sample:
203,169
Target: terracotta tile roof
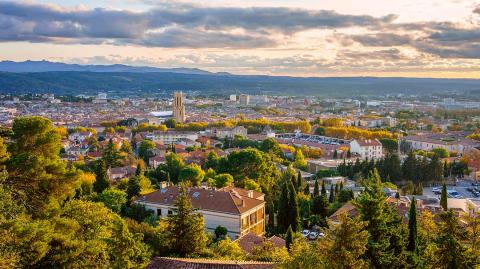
251,240
347,208
244,192
184,263
368,142
229,202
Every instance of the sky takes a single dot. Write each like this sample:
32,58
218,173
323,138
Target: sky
407,38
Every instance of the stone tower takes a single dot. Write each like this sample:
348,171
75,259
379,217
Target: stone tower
178,107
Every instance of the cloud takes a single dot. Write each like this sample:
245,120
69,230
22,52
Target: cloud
382,39
170,25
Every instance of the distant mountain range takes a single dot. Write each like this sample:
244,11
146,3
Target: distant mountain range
124,80
46,66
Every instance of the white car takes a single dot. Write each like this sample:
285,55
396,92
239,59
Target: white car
305,233
312,235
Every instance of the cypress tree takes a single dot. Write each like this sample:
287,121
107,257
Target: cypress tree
341,186
331,197
316,190
337,189
289,237
443,198
139,171
271,215
293,180
335,154
349,154
101,178
293,208
324,190
282,212
299,180
307,189
412,227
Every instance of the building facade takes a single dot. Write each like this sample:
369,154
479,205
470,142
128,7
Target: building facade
367,148
240,211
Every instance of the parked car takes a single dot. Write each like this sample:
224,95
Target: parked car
305,233
312,235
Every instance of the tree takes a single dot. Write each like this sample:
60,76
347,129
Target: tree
335,154
320,205
226,249
138,171
324,190
441,152
300,161
101,178
299,180
443,198
271,146
111,155
412,228
450,249
271,215
250,163
37,176
345,244
386,242
192,173
172,167
289,237
133,187
283,204
212,160
186,227
349,154
331,197
113,199
126,147
250,184
294,211
307,189
316,190
220,232
145,149
223,180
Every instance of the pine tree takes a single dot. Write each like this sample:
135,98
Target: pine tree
324,190
186,227
111,155
331,197
316,190
101,178
412,228
386,247
289,237
443,198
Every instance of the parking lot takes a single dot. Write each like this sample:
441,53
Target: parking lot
462,188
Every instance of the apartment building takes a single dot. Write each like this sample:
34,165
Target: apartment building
367,148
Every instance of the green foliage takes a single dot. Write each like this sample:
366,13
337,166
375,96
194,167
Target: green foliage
111,155
250,163
316,189
145,149
186,227
389,144
386,247
228,250
444,198
36,175
300,161
441,152
250,184
223,180
172,167
113,199
101,178
192,173
289,237
412,228
220,232
133,187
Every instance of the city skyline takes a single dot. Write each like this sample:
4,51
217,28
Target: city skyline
334,38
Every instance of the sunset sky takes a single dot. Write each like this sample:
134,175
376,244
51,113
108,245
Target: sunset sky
415,38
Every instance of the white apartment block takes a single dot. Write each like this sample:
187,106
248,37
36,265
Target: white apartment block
170,137
367,148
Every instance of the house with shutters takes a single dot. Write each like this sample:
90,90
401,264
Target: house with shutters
241,211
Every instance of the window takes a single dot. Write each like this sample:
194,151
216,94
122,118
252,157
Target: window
159,212
170,212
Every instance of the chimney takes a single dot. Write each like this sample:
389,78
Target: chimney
250,194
